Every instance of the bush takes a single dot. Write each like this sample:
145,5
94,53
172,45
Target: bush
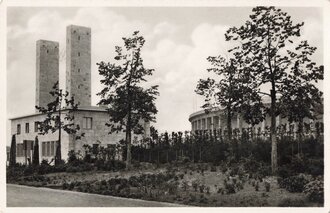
213,169
315,167
315,190
229,187
256,187
267,186
195,185
294,183
285,171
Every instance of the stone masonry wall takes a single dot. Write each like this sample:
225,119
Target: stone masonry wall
47,70
78,64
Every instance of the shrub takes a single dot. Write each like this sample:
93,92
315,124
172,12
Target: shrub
134,181
294,183
192,198
256,187
267,186
264,171
202,199
298,165
207,190
65,185
29,170
195,185
201,188
229,187
315,190
185,185
213,169
172,187
285,171
221,191
315,167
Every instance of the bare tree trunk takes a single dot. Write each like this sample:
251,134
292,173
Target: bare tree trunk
58,154
129,147
273,131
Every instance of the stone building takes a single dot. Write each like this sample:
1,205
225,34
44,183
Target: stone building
216,120
91,119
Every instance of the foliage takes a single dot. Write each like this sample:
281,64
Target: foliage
315,190
35,159
264,56
127,101
267,186
294,183
226,93
12,157
54,120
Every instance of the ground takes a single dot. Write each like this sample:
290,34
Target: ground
211,180
24,196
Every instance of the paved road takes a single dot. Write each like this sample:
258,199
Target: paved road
24,196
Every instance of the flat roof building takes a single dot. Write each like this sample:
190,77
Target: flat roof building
91,119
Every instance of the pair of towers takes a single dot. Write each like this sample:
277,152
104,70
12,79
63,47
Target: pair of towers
78,66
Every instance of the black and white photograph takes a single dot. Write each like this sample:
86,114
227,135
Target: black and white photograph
165,106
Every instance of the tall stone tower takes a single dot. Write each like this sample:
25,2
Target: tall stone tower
47,70
78,64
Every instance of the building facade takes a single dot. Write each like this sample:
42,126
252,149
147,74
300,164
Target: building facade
91,119
216,120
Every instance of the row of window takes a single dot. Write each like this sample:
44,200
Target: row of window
27,127
86,124
47,148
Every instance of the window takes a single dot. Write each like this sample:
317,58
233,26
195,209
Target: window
47,51
78,37
27,128
87,123
52,146
48,149
18,129
19,150
43,150
36,126
78,70
78,53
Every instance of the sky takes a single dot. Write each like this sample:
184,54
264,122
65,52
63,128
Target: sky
178,41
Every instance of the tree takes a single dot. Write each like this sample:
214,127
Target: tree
228,92
12,157
128,102
35,159
55,120
264,47
299,102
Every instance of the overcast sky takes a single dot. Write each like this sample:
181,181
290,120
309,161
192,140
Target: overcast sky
178,41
